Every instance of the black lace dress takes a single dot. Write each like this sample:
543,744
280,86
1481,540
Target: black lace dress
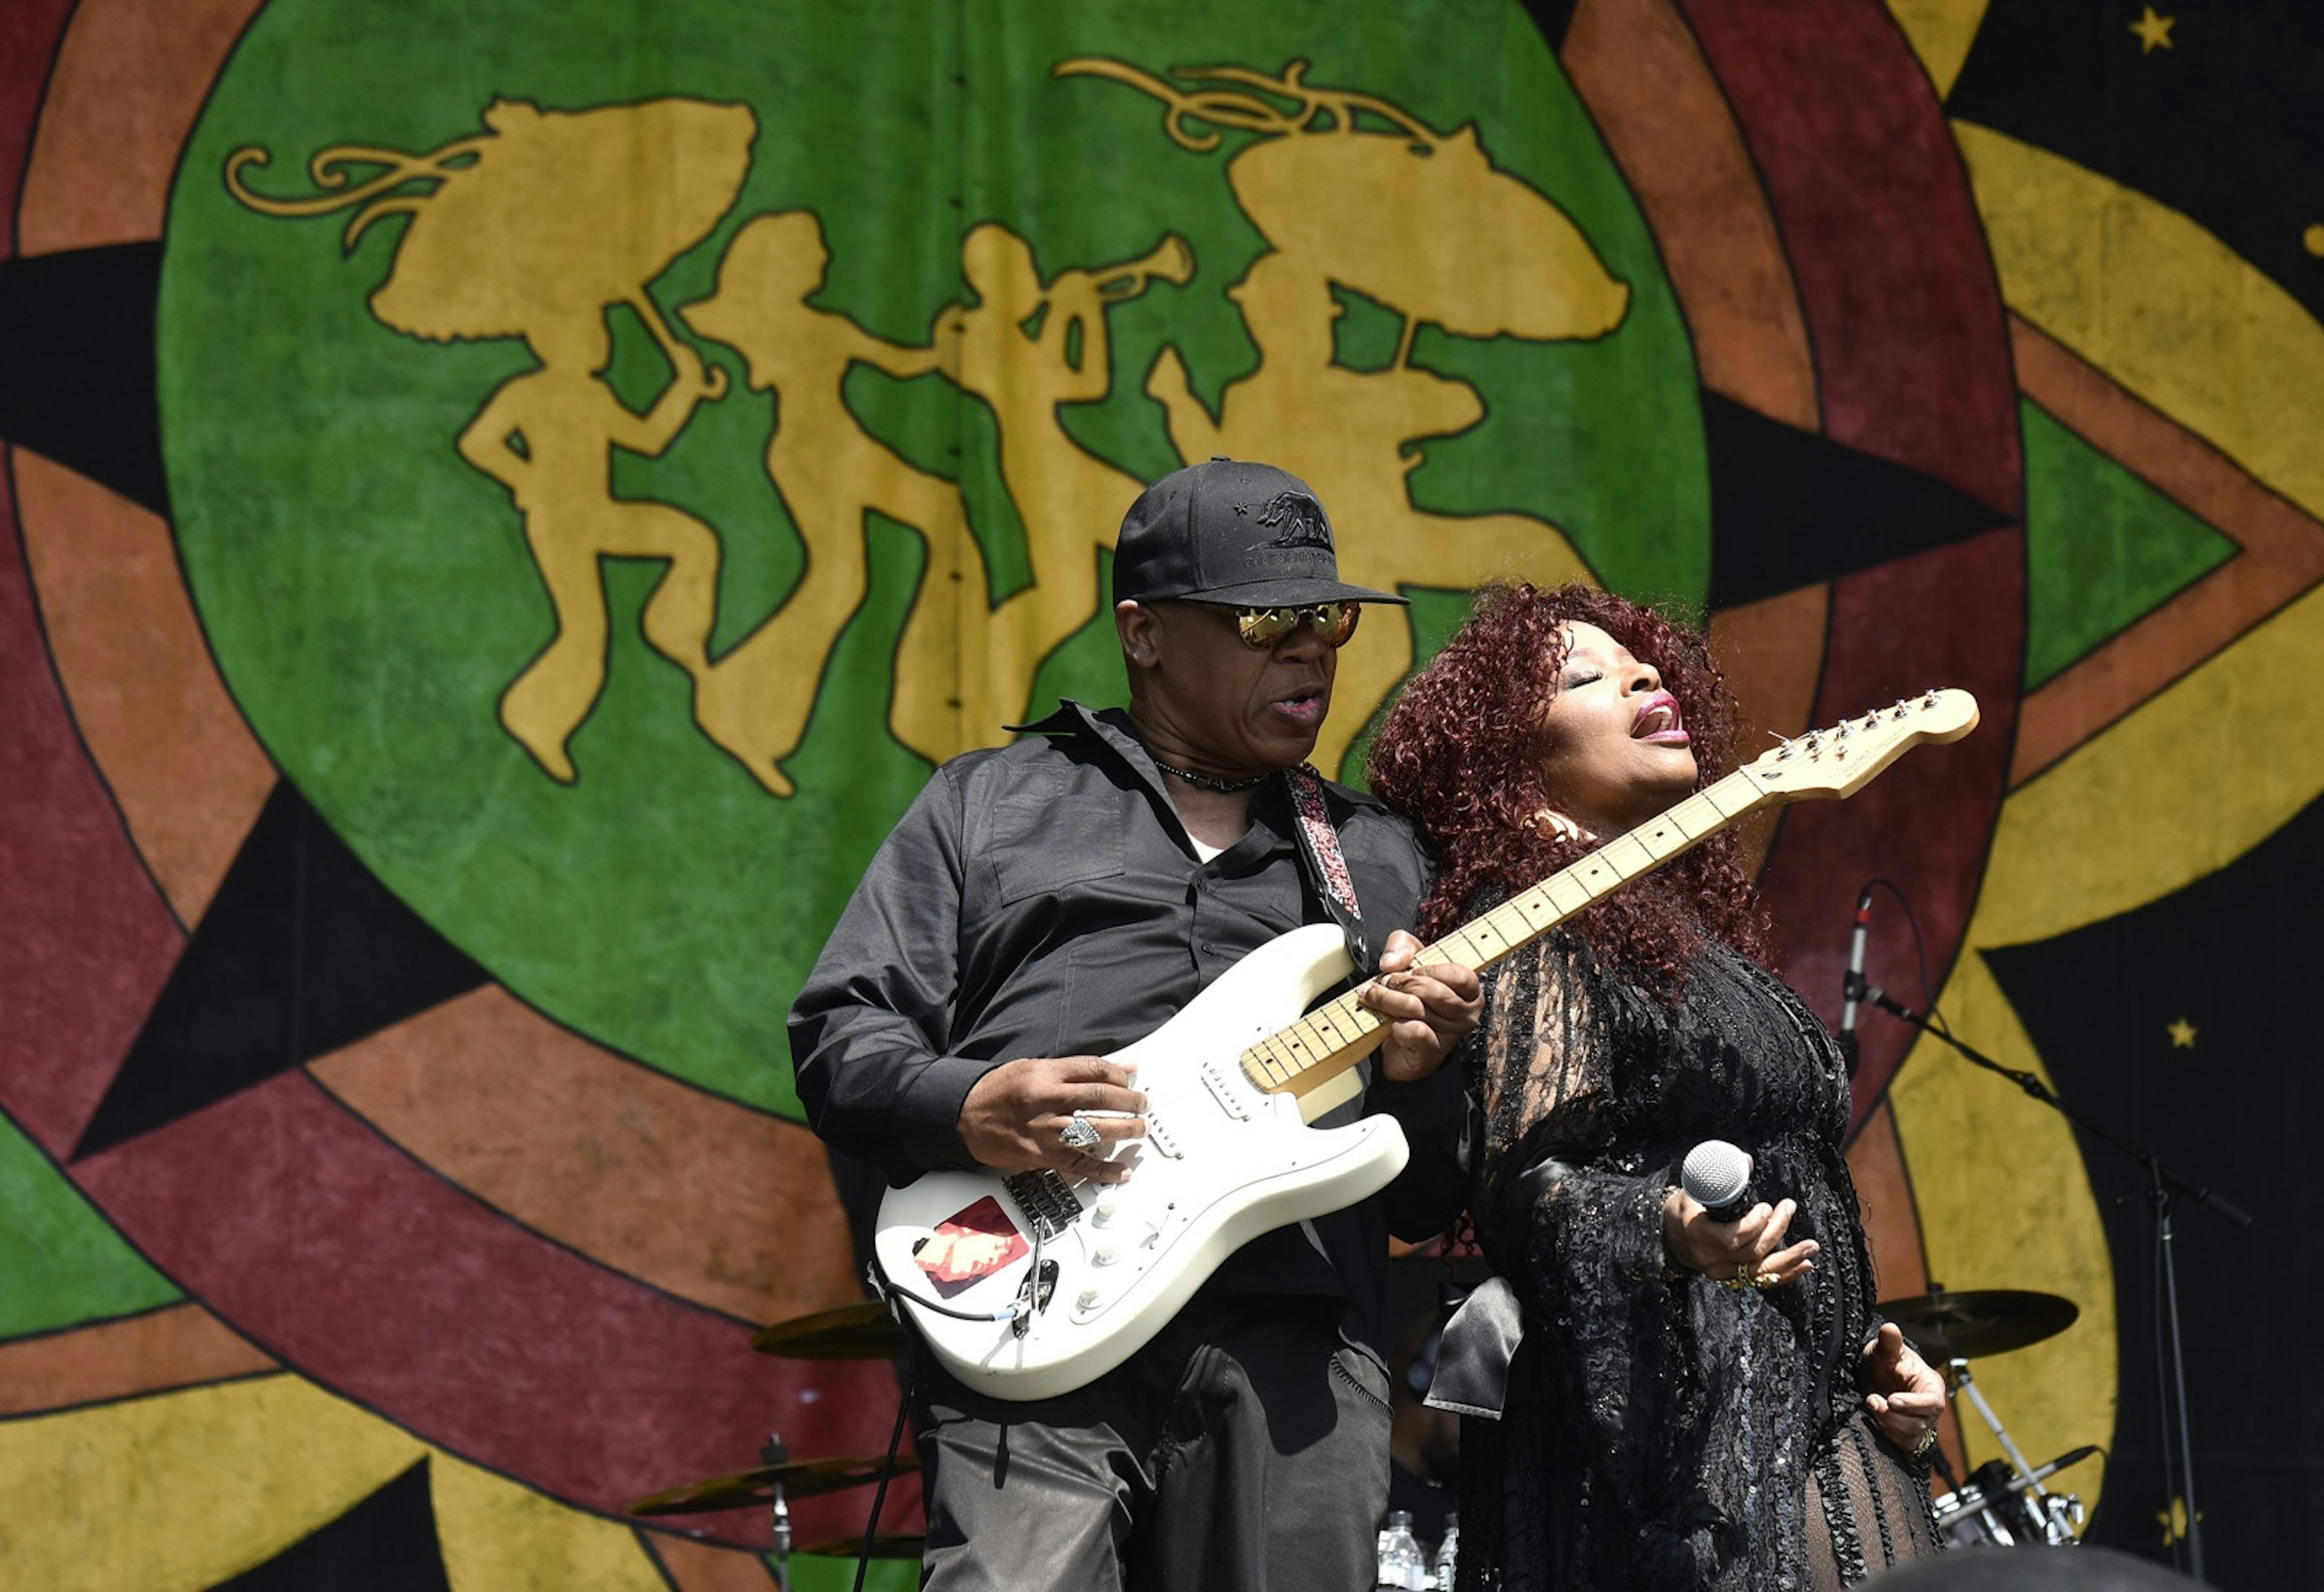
1657,1430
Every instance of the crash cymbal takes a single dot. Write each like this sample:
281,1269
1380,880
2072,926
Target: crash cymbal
801,1478
863,1331
894,1545
1989,1321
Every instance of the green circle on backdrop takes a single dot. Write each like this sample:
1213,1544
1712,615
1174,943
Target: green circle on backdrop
369,595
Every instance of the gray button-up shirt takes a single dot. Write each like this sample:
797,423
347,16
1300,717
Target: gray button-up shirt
1043,899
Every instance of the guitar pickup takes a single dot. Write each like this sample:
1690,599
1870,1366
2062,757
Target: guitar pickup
1223,1091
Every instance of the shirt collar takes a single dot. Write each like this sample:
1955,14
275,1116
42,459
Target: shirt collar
1110,727
1271,820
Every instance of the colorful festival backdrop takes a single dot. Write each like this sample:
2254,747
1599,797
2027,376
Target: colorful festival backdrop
506,502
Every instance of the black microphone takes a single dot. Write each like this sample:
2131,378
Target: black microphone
1852,989
1716,1176
2020,1483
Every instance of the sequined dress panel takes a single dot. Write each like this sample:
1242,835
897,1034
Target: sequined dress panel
1660,1431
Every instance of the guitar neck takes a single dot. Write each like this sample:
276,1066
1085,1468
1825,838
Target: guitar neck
1337,1034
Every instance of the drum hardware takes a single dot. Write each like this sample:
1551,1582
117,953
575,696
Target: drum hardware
799,1478
2047,1517
892,1545
1991,1508
773,1483
1995,1505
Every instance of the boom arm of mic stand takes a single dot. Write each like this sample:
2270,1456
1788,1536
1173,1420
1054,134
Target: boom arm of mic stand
1875,995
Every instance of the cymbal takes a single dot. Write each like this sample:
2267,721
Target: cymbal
1989,1321
801,1478
863,1331
893,1545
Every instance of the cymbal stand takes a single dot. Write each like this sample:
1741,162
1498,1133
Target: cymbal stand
2163,1184
2029,1479
778,1453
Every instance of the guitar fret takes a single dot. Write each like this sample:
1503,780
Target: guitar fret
1459,947
1696,817
1732,796
1485,938
1535,907
1567,894
1332,1024
1264,1068
1628,855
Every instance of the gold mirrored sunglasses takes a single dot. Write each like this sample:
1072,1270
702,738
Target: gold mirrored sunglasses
1261,628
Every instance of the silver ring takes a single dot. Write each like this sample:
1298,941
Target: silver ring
1079,1133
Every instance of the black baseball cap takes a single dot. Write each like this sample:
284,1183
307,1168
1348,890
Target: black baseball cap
1231,530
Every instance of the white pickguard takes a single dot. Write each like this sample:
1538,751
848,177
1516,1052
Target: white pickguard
1222,1163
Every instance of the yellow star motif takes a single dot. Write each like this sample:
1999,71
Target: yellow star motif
2182,1035
2153,30
2173,1520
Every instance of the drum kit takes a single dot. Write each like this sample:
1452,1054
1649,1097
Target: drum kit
866,1332
2003,1502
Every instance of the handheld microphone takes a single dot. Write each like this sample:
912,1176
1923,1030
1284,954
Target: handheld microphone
1852,989
1716,1176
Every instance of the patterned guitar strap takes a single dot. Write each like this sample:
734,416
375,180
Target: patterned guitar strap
1325,864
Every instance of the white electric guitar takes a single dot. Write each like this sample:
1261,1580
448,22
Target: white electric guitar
1030,1285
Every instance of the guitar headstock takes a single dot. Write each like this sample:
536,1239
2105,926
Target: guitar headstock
1842,759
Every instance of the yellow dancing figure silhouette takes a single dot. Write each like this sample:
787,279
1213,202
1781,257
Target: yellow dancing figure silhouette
548,436
1447,240
1350,434
1027,348
829,470
534,229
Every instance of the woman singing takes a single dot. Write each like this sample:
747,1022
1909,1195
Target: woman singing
1683,1401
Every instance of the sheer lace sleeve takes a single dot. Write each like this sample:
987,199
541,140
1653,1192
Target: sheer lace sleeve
1572,1209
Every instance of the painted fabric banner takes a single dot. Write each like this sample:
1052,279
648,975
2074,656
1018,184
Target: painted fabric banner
508,502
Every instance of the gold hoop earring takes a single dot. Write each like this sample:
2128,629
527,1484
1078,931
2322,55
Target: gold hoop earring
1561,828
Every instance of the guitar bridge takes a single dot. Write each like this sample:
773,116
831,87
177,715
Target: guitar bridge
1048,1202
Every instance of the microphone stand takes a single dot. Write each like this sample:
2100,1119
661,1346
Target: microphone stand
2162,1185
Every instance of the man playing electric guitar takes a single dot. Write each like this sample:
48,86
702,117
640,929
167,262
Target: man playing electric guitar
1058,899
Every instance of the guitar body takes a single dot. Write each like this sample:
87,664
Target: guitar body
1221,1162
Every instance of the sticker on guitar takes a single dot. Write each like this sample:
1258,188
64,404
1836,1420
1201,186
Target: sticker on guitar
967,1244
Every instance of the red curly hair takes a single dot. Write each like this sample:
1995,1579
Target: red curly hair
1460,756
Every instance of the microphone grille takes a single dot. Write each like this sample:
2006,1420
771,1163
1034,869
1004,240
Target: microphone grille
1716,1173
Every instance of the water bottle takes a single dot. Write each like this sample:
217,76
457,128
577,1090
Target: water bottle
1400,1563
1448,1553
